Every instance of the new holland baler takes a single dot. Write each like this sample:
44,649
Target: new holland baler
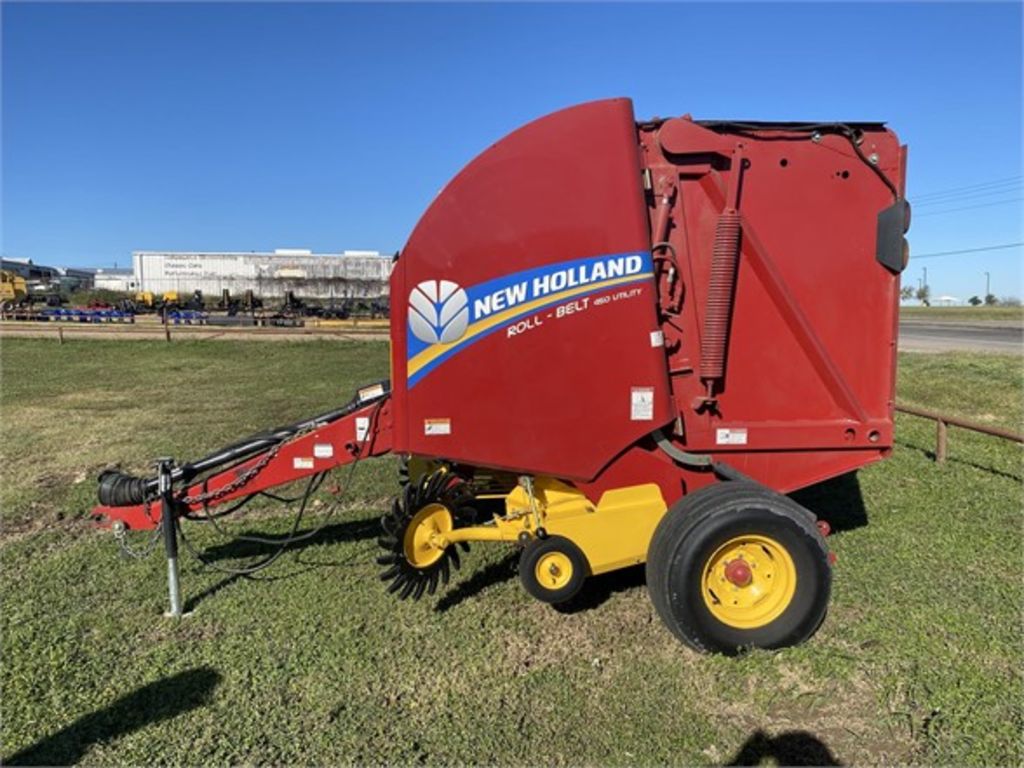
635,338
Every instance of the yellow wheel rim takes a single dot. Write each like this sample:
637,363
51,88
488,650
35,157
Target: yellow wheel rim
748,581
553,570
419,541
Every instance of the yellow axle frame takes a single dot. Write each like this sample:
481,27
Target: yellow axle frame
612,534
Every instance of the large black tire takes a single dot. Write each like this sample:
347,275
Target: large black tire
692,535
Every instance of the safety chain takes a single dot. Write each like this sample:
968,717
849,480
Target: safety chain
121,536
245,478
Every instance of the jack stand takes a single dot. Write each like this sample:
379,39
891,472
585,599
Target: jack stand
169,520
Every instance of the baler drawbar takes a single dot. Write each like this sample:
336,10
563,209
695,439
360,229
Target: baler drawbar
615,343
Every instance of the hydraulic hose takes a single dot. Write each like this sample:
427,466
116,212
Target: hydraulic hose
120,489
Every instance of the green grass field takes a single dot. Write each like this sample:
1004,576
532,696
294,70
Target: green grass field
919,660
964,314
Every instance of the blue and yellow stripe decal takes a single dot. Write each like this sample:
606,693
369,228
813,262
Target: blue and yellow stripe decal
497,303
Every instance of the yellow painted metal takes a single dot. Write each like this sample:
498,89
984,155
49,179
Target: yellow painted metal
614,533
420,466
769,591
553,570
12,286
476,533
426,529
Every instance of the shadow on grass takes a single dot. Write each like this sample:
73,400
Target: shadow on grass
598,589
492,574
152,703
348,531
789,748
195,600
930,453
838,501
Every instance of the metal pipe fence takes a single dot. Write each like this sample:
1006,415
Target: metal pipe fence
943,421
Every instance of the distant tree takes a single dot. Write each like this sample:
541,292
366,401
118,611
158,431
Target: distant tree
1009,301
923,294
974,301
906,293
991,300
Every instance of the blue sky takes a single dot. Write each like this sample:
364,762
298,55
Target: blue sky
332,126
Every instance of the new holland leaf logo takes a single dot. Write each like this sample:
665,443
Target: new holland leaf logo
438,311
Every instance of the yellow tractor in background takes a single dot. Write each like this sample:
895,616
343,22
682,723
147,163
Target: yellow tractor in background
13,289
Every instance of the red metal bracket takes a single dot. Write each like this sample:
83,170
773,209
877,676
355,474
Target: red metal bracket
363,433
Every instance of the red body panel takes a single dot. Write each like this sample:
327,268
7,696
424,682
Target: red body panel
807,391
810,368
556,204
333,445
551,310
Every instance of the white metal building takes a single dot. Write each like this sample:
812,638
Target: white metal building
350,274
114,279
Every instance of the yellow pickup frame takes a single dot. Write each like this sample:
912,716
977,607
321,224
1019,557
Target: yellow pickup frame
613,534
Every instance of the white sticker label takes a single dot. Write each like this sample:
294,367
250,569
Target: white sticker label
657,339
323,450
437,427
641,403
731,436
302,462
371,392
362,428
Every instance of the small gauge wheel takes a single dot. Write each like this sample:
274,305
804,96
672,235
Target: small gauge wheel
553,569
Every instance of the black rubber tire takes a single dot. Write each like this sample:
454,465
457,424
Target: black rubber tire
534,551
696,526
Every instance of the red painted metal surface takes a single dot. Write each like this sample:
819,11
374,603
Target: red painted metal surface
809,373
797,330
738,572
570,381
330,446
559,302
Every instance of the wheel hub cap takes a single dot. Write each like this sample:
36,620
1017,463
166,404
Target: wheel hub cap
427,525
553,570
738,572
748,581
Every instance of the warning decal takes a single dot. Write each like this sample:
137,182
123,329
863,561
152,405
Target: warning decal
731,436
362,427
641,403
437,427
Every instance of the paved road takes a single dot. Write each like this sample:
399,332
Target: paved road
928,336
915,335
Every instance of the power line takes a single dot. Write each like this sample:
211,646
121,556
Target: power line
970,207
967,250
969,187
981,193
